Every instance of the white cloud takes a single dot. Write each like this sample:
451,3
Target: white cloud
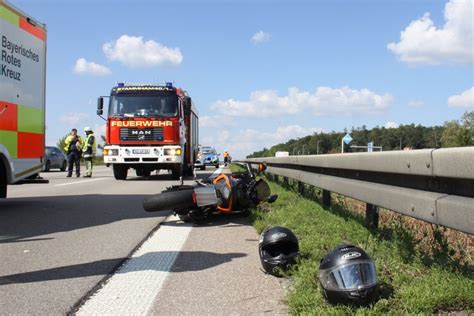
391,125
134,52
83,66
260,37
99,129
423,43
215,121
74,119
416,104
463,100
324,101
247,141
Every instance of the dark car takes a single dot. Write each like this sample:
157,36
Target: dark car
54,158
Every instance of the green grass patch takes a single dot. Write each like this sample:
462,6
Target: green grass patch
236,168
407,283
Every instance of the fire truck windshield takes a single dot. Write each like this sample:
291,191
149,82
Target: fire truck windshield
143,106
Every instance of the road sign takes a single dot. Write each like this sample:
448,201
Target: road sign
370,147
347,139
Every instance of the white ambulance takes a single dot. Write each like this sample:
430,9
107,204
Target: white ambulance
22,95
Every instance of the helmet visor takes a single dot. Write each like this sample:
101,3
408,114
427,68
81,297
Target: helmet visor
351,276
281,250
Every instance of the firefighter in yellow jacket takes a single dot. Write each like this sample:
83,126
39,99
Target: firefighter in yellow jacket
88,151
73,147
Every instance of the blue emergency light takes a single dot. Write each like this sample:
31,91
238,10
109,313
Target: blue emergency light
120,84
169,85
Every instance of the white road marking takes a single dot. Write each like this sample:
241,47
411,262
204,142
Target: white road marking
217,172
78,182
132,290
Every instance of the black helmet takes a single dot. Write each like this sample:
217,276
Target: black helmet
278,247
347,275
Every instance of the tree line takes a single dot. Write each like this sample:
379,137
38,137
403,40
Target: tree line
455,133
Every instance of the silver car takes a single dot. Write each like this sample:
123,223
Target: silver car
54,158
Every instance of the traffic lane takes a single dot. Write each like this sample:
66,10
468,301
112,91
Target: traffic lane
75,204
29,188
58,261
218,272
57,246
59,179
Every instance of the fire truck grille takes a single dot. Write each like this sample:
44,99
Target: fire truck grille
141,134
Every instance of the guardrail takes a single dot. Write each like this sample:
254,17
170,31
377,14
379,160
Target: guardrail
434,185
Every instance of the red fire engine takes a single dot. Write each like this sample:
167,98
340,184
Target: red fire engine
150,127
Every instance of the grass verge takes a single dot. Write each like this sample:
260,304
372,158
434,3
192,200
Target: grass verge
408,284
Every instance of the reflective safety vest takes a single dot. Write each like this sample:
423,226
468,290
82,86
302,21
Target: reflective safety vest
68,142
89,149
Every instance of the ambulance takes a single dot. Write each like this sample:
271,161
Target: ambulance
22,95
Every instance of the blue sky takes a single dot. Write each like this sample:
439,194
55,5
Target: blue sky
262,72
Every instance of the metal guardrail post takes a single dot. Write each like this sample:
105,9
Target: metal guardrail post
372,215
276,178
300,187
326,198
285,181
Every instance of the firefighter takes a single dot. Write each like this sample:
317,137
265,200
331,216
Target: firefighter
88,151
72,147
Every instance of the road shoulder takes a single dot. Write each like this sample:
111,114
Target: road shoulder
218,272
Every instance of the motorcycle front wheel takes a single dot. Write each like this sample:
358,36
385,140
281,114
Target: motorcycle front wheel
169,200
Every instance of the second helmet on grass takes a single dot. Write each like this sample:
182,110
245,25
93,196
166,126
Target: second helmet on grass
347,276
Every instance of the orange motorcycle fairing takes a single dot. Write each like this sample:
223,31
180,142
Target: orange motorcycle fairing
224,183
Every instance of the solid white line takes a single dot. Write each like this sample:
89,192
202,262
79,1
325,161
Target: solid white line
78,182
217,172
132,290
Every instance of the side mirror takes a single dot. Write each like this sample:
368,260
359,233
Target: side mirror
100,106
262,167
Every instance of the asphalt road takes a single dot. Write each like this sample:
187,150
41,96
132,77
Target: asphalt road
58,241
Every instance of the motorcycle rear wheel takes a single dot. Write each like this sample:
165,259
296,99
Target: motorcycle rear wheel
169,200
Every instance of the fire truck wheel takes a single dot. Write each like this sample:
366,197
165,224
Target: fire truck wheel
190,171
177,172
120,172
3,181
142,173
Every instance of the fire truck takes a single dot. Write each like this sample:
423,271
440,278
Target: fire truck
150,127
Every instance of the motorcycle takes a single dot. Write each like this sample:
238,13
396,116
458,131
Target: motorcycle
223,194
